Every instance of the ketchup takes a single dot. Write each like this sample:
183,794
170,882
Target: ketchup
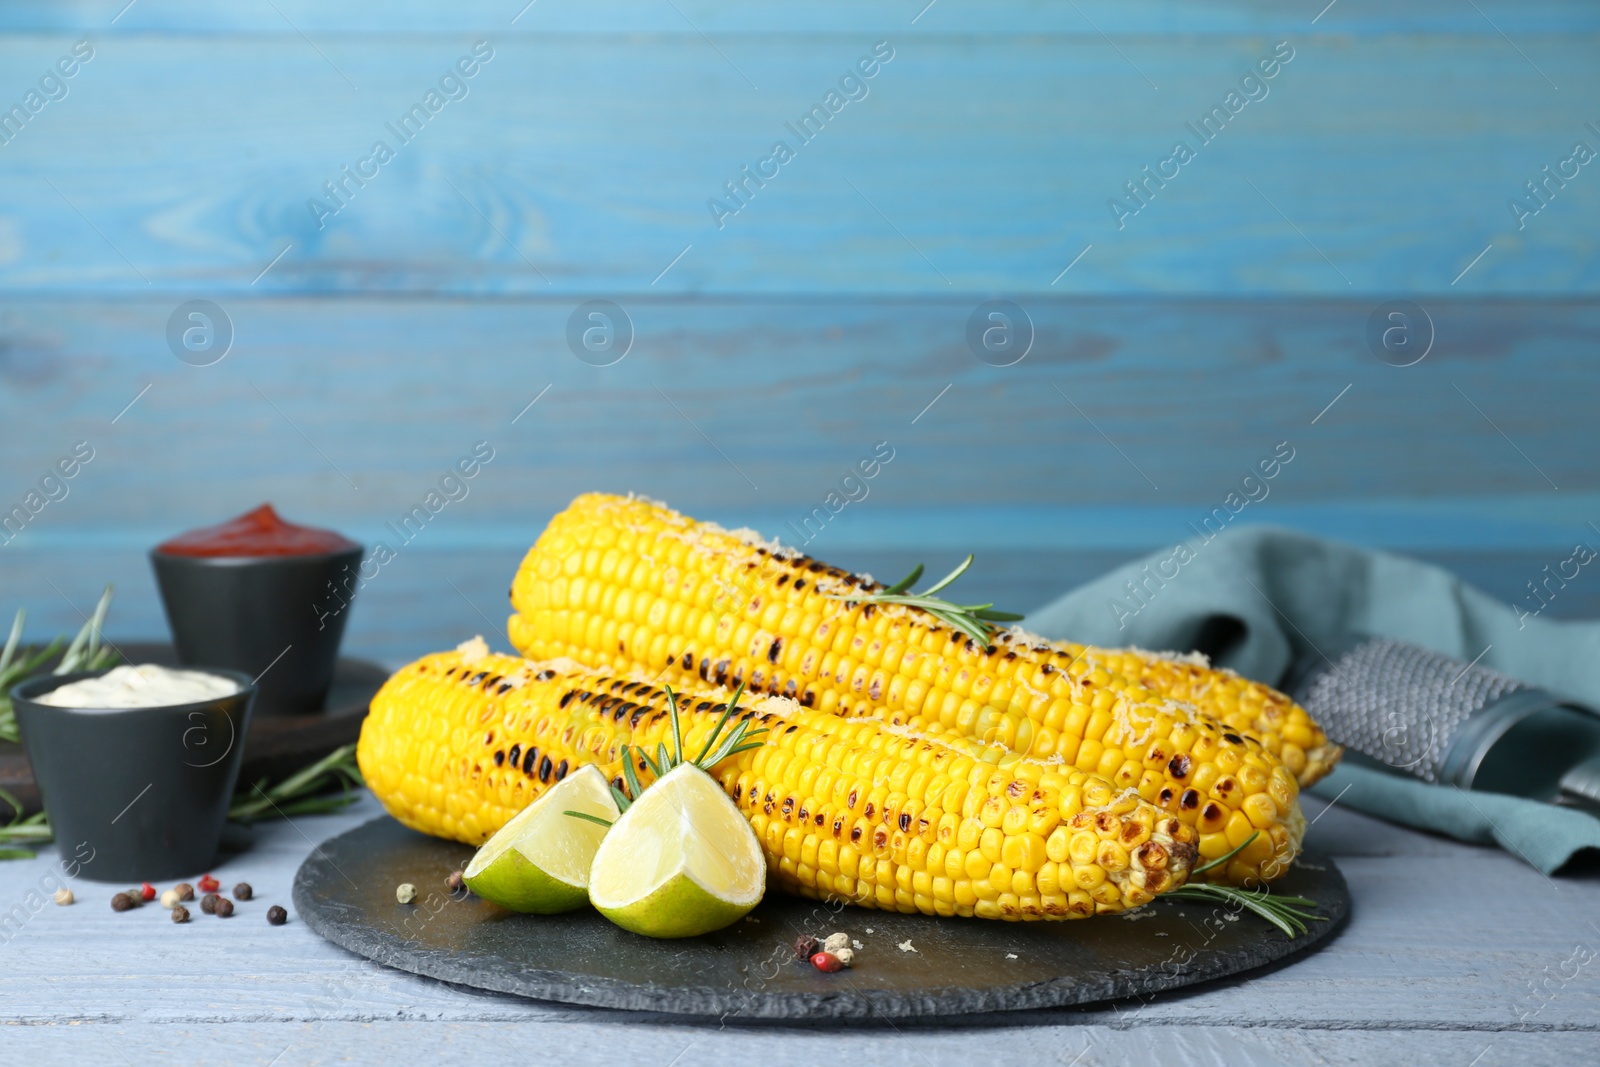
256,533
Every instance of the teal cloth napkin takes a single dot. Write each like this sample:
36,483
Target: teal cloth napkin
1260,597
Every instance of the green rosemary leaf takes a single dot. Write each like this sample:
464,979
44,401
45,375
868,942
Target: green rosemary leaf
16,805
623,803
11,642
961,568
976,621
1220,860
988,614
905,583
590,818
677,725
1286,913
739,740
92,634
35,828
31,664
301,792
634,788
716,732
106,657
69,658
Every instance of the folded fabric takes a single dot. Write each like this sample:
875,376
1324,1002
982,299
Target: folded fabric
1545,835
1257,598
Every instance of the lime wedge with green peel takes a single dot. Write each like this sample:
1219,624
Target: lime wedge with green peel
681,860
539,861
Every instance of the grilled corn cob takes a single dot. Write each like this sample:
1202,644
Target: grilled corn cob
624,584
457,743
1245,706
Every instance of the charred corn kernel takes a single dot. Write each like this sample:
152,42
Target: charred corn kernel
1102,898
457,743
738,609
1112,856
1247,707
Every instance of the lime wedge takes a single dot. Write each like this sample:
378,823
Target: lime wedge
681,861
539,861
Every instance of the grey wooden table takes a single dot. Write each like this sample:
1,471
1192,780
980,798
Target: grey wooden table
1457,956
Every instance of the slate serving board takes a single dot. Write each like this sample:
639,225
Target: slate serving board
345,891
276,746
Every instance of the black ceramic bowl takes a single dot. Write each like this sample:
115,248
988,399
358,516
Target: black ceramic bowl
282,615
135,794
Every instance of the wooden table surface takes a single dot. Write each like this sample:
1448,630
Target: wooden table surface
1453,955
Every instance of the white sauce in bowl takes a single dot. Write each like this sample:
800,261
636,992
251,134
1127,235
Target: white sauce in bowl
144,686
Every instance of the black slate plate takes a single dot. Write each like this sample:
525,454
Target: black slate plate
345,891
277,745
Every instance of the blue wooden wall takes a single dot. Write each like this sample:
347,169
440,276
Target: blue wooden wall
1176,340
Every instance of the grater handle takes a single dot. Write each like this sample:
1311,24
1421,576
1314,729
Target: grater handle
1580,786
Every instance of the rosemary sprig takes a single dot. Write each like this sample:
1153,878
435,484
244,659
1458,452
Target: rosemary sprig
85,653
586,817
718,747
302,793
1288,914
975,620
23,829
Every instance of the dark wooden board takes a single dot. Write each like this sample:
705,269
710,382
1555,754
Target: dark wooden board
275,747
345,891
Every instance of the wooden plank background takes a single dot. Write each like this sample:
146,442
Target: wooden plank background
829,313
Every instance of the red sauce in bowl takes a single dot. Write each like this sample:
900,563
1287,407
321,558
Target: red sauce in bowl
256,533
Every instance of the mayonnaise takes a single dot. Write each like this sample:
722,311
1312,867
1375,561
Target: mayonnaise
144,686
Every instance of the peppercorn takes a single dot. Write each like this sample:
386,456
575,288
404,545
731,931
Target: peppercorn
147,892
224,907
208,903
277,916
209,884
120,902
184,890
826,961
806,946
64,896
169,899
180,914
846,957
405,892
454,883
242,891
135,897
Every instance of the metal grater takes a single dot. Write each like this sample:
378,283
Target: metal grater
1445,720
